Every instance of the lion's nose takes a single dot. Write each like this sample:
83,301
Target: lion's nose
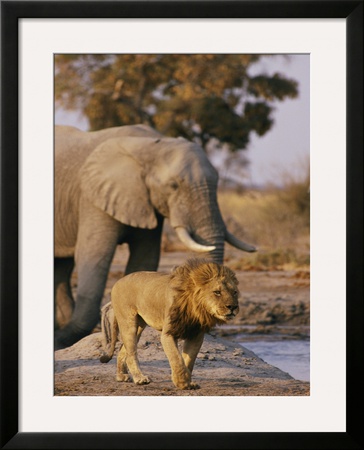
232,307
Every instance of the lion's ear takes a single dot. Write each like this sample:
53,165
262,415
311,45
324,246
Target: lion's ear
232,275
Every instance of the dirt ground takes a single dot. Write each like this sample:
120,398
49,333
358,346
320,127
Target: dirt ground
273,302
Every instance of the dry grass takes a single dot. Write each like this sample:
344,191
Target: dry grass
276,220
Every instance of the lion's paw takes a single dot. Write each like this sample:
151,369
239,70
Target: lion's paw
123,377
188,386
142,380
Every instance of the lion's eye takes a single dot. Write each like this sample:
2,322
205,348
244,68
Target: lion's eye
217,293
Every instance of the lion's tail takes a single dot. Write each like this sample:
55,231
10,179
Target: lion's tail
109,330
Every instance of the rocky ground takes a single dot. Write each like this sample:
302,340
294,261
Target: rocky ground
274,302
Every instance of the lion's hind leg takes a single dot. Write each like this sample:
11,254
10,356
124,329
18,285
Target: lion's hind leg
121,367
128,357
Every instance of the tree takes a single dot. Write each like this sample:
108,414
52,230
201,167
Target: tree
201,97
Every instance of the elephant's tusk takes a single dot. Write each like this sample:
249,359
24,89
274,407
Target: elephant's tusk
235,242
186,239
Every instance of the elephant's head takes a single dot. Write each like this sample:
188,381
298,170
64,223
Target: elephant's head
132,178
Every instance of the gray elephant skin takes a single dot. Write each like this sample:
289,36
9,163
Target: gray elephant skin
116,186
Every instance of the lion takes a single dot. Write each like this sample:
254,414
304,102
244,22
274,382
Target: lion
183,305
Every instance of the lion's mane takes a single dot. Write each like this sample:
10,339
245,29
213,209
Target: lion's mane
189,314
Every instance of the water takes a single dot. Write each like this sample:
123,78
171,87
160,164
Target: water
289,355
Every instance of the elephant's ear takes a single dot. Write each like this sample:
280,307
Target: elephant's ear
114,182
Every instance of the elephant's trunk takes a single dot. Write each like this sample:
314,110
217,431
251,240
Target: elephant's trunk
235,242
217,255
190,243
208,228
210,225
203,228
212,236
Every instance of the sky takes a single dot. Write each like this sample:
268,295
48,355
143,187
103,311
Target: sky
284,150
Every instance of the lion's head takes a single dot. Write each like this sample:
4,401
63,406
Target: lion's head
206,294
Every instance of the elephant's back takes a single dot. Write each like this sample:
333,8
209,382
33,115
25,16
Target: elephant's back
70,155
71,152
71,147
72,143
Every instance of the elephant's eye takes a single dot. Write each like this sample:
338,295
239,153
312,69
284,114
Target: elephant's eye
217,293
174,185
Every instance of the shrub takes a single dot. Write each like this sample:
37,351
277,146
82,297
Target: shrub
276,220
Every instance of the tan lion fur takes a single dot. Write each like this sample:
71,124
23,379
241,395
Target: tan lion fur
188,313
184,304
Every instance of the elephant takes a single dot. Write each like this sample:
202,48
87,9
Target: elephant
115,186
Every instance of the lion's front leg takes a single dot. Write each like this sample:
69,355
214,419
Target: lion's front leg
191,347
181,375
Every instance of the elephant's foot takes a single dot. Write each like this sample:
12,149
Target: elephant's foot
68,336
64,306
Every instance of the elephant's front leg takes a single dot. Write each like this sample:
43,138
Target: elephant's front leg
145,247
181,375
64,302
96,243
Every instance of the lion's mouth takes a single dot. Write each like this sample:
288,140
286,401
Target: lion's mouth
229,316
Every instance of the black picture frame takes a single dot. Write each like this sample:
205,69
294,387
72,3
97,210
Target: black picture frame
11,12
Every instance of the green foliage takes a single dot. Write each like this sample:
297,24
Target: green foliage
200,97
